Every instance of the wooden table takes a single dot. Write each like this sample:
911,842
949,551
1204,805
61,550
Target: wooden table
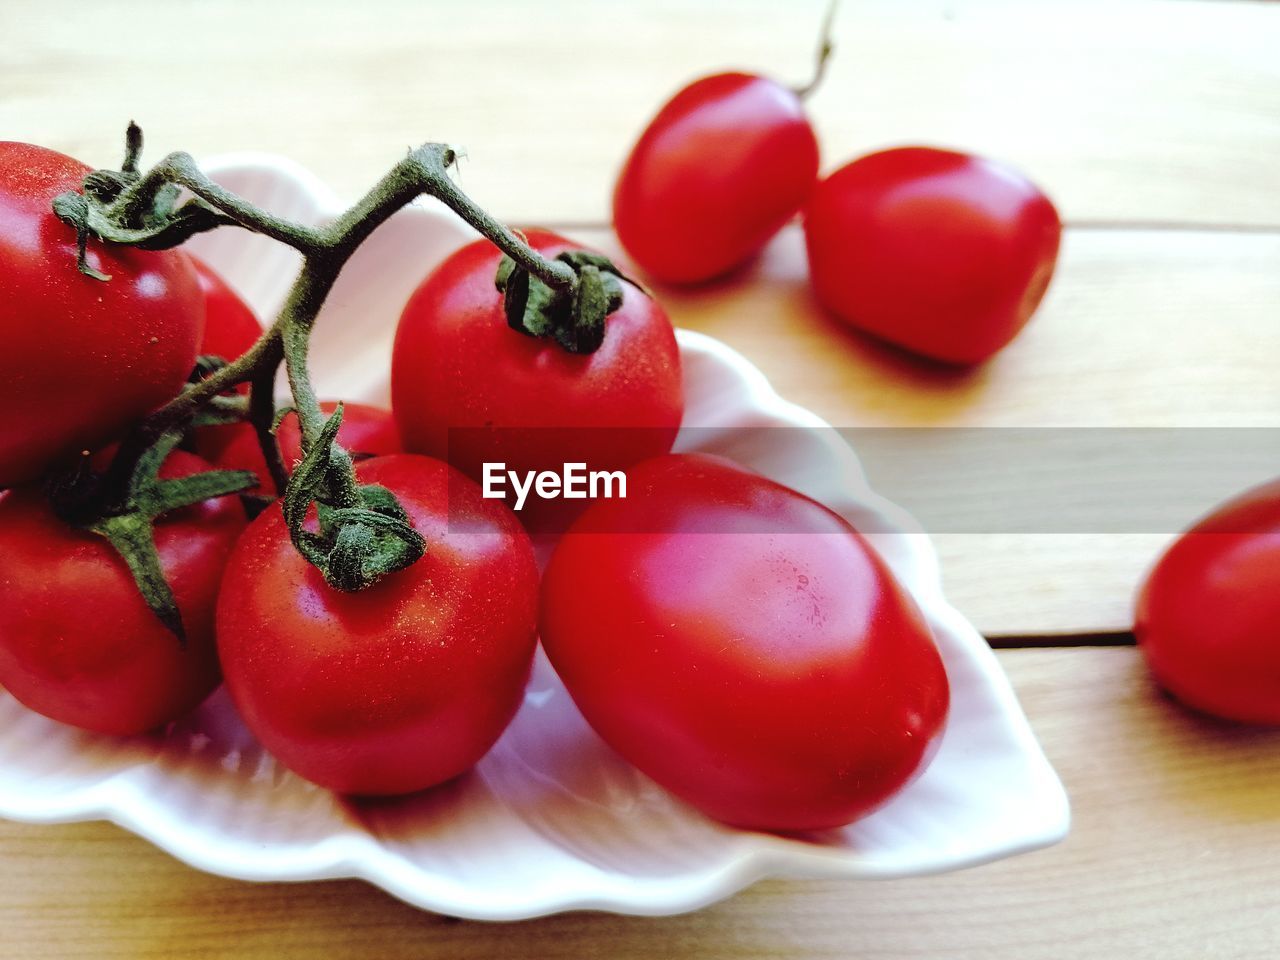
1155,125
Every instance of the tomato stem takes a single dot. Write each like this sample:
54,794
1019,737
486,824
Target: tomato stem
364,532
826,47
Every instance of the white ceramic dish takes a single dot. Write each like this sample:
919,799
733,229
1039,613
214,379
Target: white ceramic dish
550,820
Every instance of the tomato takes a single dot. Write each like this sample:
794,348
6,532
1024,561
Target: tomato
80,359
366,431
230,327
521,400
942,253
77,641
725,163
1208,612
399,686
743,646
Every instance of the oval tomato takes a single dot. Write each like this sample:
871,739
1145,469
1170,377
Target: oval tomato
943,253
400,686
1208,611
521,400
724,164
743,646
80,359
366,431
77,641
230,326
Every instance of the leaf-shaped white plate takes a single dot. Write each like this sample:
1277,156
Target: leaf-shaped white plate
551,819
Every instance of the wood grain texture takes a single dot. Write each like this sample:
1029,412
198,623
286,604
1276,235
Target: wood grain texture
1172,855
1123,109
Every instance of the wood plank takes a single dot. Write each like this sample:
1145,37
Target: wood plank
1171,855
1132,110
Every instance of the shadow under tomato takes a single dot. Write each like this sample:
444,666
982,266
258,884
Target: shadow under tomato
922,372
1229,770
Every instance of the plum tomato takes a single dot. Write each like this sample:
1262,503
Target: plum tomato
80,359
467,388
77,641
1208,611
743,646
404,684
724,164
942,253
366,431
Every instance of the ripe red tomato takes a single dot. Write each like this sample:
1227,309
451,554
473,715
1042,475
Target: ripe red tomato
743,646
77,641
230,327
942,253
366,431
405,684
725,163
524,400
80,359
1207,614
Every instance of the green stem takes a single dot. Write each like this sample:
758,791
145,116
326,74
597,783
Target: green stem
182,170
326,251
432,162
262,415
140,209
825,48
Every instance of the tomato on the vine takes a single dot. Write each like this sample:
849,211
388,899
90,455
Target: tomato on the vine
80,358
942,253
1208,613
366,431
468,388
724,164
404,684
77,641
743,646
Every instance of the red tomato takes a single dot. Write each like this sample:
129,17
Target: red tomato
719,170
942,253
366,431
743,646
80,359
1207,615
524,400
230,327
77,641
402,685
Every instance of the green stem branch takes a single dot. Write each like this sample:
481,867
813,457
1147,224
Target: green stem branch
367,533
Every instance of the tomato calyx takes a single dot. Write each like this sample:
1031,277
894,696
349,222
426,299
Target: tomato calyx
105,209
365,533
128,520
573,317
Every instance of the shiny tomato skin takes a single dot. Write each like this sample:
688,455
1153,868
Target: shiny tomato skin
457,364
80,359
942,253
77,641
230,326
400,686
230,329
743,646
720,169
1208,613
366,431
